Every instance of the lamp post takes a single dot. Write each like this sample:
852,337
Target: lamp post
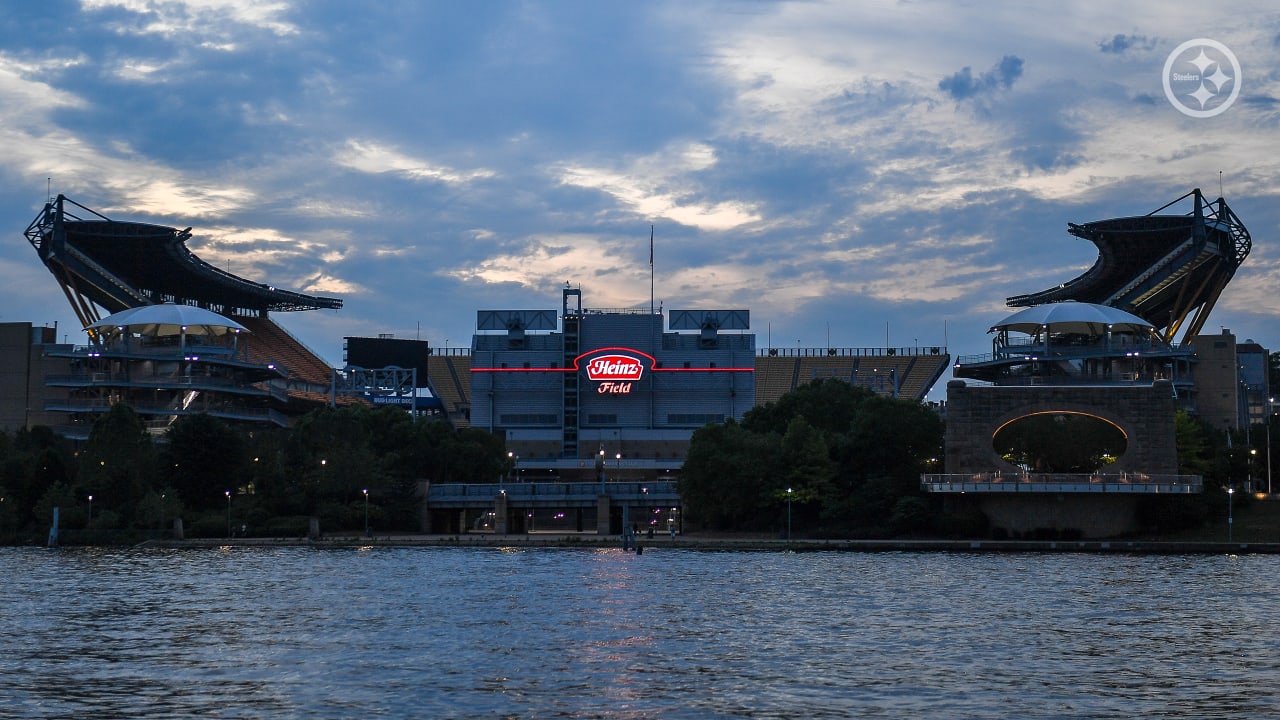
617,473
644,499
788,514
1230,517
366,512
1271,405
90,510
1249,486
228,513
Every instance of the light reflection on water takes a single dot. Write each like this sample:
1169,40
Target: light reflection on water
534,633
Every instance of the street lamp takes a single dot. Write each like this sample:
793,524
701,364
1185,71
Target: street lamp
1252,453
228,513
1230,517
1271,406
366,512
789,514
90,510
617,473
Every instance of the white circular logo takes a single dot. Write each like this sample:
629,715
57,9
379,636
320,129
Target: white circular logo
1201,78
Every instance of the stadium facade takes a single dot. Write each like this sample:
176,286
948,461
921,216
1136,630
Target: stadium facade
607,391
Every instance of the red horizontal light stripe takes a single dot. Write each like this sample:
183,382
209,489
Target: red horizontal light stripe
679,369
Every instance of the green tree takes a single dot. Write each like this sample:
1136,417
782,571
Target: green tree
854,453
118,461
1194,447
203,458
888,446
475,456
730,478
829,405
333,460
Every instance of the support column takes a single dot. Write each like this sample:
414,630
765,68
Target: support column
602,514
424,508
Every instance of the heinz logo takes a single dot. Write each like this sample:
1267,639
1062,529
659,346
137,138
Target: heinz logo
614,367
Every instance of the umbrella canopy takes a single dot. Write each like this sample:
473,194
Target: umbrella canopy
169,319
1072,317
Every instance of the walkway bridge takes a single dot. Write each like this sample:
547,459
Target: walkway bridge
606,507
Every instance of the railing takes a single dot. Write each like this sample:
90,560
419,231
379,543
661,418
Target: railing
231,410
195,382
164,352
619,311
1109,379
449,351
1001,482
1020,349
659,492
908,351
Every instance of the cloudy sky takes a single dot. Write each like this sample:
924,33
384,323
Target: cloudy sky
850,172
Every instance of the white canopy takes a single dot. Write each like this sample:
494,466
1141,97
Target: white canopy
1072,317
170,319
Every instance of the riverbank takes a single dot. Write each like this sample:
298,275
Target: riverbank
725,543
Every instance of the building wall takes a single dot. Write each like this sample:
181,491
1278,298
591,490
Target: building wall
1218,397
22,371
1144,413
517,387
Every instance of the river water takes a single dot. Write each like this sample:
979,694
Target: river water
583,633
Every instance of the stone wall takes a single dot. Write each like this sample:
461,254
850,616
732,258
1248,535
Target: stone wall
1145,413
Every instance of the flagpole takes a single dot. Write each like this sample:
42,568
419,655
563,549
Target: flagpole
650,269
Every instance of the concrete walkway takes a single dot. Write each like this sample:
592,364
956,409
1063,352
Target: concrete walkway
713,542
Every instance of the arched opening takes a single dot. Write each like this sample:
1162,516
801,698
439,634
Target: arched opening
1060,442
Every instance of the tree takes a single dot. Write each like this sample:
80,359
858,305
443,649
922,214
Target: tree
203,459
331,454
829,405
729,478
118,461
475,456
854,453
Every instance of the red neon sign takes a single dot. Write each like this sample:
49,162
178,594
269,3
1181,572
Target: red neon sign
611,368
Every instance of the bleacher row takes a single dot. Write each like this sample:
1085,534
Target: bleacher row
270,343
449,377
910,375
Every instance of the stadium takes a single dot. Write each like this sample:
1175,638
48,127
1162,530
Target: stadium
596,406
1069,420
595,401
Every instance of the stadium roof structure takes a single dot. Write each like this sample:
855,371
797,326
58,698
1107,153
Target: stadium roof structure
1071,316
1168,269
108,265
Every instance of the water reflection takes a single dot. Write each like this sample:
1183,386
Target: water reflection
517,632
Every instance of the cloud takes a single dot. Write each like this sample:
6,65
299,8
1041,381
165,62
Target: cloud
372,157
194,18
1120,44
430,158
964,85
664,185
